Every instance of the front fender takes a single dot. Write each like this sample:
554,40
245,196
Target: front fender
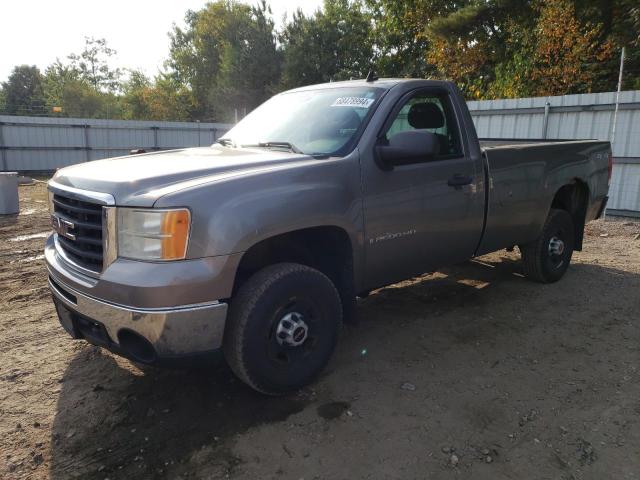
232,214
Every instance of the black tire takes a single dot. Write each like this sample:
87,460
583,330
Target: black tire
544,260
258,316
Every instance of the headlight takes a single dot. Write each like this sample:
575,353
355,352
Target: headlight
148,234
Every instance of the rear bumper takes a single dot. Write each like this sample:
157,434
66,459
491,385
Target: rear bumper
145,335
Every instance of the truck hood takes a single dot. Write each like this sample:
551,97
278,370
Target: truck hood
139,180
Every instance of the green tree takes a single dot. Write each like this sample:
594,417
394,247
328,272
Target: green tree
398,28
80,100
303,62
66,87
619,23
58,77
136,92
163,99
227,57
93,65
470,44
513,48
333,44
249,65
566,55
169,100
23,94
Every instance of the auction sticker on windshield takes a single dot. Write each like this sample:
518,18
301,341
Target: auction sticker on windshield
357,102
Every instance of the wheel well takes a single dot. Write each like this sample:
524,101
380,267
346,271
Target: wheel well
574,198
327,249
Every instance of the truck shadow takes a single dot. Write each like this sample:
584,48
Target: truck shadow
451,287
459,304
117,421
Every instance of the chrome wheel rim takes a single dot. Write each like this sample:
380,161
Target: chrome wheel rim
292,330
556,246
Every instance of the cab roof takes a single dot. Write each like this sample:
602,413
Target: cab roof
385,83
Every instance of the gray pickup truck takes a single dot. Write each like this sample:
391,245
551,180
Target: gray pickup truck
259,244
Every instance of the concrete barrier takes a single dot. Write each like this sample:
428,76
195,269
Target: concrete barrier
9,203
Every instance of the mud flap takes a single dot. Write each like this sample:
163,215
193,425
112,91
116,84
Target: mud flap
602,207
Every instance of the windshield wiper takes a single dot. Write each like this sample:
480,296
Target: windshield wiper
226,142
287,145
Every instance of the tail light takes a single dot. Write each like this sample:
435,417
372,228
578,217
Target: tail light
610,168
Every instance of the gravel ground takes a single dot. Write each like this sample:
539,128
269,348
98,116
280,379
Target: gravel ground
470,372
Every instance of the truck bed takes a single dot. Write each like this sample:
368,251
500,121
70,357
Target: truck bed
514,142
525,174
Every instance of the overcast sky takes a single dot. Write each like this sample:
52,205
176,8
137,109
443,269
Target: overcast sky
35,32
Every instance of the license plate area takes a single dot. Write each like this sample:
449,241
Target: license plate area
79,326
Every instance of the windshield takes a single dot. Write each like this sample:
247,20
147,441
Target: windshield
314,122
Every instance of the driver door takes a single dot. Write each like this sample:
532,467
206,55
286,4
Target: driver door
425,214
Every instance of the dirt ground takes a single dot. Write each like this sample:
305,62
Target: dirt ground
471,372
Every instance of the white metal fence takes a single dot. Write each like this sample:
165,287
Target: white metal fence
36,143
588,116
45,143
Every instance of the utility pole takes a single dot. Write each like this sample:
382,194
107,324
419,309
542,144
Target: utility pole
615,113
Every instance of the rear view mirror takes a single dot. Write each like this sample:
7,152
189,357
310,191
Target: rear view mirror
412,146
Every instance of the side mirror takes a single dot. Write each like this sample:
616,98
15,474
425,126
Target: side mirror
408,147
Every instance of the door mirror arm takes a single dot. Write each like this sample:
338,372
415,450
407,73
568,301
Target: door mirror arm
381,154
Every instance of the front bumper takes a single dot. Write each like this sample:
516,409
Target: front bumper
150,312
145,335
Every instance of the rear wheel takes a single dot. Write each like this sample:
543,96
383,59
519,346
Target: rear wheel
282,328
547,258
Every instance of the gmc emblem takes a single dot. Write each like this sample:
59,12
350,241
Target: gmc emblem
62,227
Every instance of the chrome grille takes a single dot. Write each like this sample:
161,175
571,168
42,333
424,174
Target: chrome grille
82,239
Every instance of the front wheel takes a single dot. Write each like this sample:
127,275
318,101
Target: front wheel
282,328
547,258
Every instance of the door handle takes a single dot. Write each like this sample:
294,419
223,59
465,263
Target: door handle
459,180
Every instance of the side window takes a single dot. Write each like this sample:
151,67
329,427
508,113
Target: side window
430,112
